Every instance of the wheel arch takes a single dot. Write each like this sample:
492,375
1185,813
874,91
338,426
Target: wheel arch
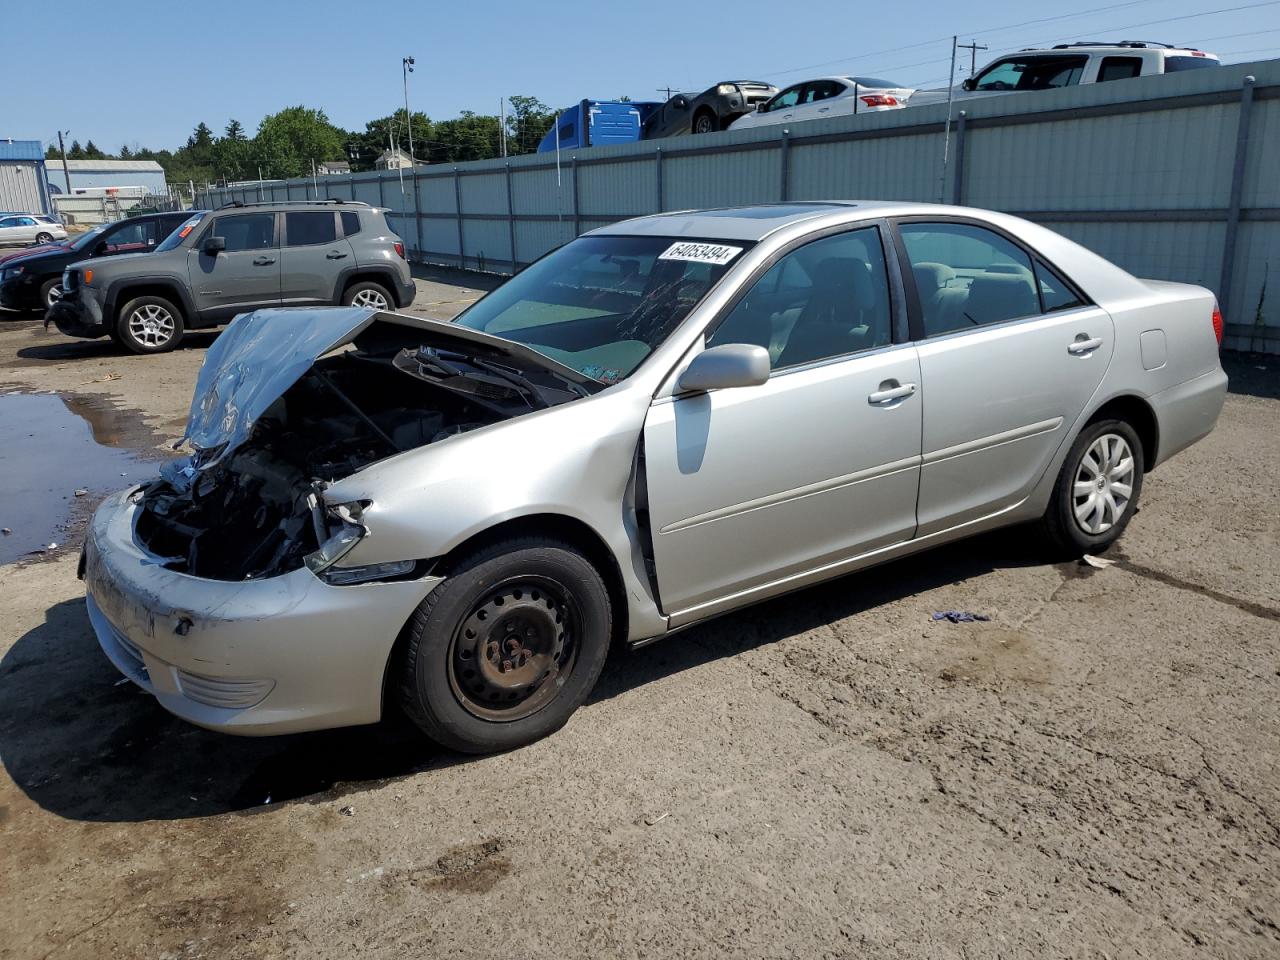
122,291
383,275
1138,413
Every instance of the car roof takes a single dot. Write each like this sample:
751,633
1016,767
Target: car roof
758,221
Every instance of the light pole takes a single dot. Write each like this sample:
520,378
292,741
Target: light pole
406,65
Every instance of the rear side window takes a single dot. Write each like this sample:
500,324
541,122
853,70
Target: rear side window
1119,68
306,228
246,231
1178,64
350,223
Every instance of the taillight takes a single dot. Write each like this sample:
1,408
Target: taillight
1218,327
399,249
880,100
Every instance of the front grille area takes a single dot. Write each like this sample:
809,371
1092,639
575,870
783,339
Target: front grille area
220,692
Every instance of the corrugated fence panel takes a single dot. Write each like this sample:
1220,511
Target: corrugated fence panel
630,189
1186,252
543,191
1256,287
484,194
898,168
1262,182
708,180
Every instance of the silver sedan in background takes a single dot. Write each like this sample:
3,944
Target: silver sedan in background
661,421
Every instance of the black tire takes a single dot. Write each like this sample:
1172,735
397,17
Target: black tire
532,591
133,333
1064,534
369,289
46,292
705,122
44,238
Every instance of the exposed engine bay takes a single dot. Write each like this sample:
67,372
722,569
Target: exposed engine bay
259,511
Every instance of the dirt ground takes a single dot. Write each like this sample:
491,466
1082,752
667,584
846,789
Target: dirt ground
1093,773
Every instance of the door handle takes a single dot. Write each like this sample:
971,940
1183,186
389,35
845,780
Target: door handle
263,261
334,255
823,109
890,391
1083,346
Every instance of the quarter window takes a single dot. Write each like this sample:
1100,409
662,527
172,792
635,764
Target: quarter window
826,299
350,223
306,228
246,231
967,276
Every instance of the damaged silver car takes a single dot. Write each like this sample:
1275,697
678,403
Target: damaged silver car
661,421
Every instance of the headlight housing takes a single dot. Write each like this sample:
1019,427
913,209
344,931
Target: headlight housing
726,89
338,530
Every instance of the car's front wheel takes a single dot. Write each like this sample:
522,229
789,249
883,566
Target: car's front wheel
150,325
705,122
1096,494
50,292
507,647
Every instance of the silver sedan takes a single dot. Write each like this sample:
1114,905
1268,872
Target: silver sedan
661,421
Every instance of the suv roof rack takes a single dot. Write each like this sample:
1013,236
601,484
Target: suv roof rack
293,203
1118,43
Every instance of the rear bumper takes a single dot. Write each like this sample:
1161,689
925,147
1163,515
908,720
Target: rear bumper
405,292
77,316
278,655
1188,412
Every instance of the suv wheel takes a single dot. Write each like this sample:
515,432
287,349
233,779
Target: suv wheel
507,647
44,238
150,325
368,294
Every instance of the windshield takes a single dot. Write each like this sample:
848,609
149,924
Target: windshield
175,238
602,304
85,241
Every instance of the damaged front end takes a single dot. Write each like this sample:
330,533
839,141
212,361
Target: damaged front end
291,401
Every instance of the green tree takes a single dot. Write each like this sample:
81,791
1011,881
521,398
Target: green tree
126,153
527,123
76,152
235,132
288,141
369,145
52,153
91,152
471,136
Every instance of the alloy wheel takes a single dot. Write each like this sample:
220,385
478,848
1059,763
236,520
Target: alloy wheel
515,649
371,299
151,325
54,295
1103,484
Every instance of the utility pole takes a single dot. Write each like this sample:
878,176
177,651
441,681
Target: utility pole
946,140
63,150
392,157
973,47
406,65
502,123
666,90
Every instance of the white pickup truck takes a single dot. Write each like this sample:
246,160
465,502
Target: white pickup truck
1070,64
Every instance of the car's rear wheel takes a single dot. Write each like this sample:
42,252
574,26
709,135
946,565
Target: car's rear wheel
50,292
150,324
705,122
1096,493
44,238
368,294
507,647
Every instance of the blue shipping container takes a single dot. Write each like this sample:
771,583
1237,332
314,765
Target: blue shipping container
598,123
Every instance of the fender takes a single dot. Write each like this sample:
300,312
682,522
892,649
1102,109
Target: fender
384,274
174,287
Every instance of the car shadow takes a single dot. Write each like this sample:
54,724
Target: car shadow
1253,375
66,349
85,744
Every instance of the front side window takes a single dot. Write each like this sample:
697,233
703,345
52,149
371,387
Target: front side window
967,276
1119,68
1032,73
309,227
787,98
602,304
9,222
246,231
825,299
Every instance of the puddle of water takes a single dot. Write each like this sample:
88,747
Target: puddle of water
47,453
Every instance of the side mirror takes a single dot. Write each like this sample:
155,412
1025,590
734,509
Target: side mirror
213,245
968,84
679,102
100,248
761,105
728,365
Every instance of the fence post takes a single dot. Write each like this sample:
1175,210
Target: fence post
573,174
511,224
417,211
457,205
1237,192
657,176
957,185
785,143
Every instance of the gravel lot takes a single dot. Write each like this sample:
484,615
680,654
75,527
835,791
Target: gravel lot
1094,773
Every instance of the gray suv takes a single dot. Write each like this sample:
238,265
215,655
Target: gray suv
237,258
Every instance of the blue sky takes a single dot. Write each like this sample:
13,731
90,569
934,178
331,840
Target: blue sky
144,72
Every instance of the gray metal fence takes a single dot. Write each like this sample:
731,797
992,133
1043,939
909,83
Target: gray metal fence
1174,177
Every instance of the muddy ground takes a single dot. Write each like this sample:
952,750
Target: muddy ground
1093,773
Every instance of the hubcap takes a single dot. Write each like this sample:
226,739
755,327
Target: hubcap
515,649
369,298
1103,484
55,294
151,325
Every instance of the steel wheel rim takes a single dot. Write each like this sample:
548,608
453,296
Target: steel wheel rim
1103,485
369,298
54,295
151,325
515,649
703,125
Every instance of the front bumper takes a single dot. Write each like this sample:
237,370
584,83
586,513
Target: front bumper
20,293
77,316
278,655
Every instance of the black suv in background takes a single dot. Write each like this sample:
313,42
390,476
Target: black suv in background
35,282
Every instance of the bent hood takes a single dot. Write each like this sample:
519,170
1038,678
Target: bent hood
264,353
